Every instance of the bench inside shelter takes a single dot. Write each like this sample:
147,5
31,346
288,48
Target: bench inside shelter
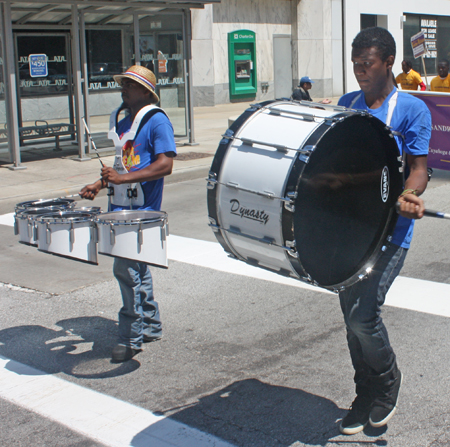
42,129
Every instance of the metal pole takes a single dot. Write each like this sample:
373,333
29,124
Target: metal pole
85,76
76,70
11,91
137,49
188,82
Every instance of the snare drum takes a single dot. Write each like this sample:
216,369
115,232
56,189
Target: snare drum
306,190
140,235
25,223
68,233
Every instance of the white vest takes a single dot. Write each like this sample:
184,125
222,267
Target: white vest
126,194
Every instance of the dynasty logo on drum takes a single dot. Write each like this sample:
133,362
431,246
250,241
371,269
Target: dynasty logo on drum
385,184
259,215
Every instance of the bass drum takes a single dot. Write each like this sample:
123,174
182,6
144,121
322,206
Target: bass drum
306,190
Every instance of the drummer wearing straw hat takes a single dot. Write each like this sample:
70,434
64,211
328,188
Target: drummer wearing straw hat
147,159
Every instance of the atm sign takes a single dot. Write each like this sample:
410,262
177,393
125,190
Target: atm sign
243,36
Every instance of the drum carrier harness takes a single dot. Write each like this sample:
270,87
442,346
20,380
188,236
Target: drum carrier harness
127,194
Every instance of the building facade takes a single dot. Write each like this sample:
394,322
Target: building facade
307,38
58,57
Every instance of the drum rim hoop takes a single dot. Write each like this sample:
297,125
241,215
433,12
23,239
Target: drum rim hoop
35,203
58,217
108,218
22,214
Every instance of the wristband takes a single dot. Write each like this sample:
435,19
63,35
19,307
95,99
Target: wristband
408,191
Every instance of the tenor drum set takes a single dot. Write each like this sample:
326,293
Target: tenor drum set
57,227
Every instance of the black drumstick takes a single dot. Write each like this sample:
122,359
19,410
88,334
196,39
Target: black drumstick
439,214
429,213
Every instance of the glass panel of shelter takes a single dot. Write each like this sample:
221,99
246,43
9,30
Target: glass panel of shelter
162,51
44,78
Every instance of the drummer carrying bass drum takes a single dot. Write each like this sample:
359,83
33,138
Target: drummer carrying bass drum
377,376
147,158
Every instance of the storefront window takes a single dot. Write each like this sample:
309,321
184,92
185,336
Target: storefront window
437,40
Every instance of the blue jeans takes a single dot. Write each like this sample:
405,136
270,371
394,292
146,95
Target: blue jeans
367,337
139,314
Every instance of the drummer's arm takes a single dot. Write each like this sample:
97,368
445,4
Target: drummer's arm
90,191
161,167
411,205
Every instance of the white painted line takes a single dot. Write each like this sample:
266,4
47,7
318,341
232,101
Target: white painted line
97,416
212,255
420,295
406,293
7,219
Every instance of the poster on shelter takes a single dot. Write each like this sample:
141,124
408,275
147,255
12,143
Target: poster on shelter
439,106
38,65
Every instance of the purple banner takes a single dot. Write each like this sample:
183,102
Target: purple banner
439,105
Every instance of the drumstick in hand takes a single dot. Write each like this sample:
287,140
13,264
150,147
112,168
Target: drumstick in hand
429,213
92,141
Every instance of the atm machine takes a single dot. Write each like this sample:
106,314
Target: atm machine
242,64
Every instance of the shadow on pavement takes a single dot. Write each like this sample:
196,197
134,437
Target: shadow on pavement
81,348
252,413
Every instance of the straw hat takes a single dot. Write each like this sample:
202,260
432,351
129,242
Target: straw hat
143,76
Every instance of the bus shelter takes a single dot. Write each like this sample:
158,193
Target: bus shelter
58,59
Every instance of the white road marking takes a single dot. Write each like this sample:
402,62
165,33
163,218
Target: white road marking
406,293
100,417
7,219
212,255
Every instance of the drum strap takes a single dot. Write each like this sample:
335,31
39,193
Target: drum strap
129,194
391,106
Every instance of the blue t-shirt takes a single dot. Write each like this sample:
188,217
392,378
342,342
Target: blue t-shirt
412,119
155,137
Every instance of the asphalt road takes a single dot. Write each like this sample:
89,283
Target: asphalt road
243,361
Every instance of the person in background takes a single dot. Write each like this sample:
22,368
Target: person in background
302,94
409,79
441,83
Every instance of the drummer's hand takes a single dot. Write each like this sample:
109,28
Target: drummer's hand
110,175
411,206
326,101
90,191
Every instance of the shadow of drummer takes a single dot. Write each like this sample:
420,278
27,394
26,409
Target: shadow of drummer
80,347
251,412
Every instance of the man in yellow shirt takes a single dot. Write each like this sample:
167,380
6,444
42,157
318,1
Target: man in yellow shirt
441,83
409,79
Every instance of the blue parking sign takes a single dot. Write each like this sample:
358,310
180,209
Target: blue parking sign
38,65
